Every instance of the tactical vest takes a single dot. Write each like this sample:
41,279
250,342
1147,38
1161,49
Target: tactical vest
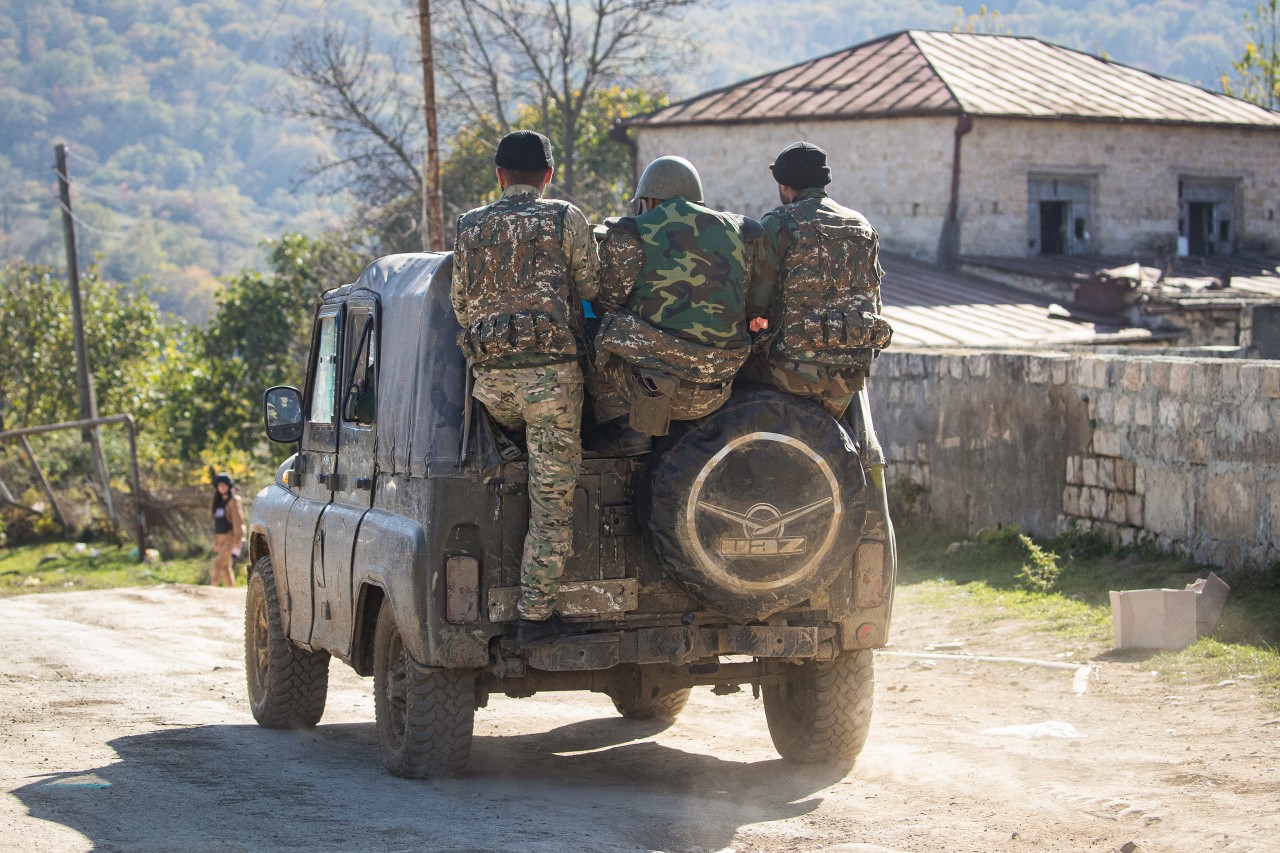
519,296
829,286
686,314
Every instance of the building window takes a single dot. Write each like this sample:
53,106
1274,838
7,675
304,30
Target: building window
1059,214
1206,216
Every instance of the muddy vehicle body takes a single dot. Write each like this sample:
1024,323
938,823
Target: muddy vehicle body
752,547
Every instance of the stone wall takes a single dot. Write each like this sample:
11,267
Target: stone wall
1180,452
897,171
1135,169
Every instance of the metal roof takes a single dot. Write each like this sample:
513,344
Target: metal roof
1252,278
921,72
931,307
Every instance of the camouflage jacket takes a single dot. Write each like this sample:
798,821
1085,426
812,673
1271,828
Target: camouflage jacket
520,266
817,279
678,274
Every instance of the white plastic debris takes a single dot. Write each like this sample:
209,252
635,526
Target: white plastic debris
1030,731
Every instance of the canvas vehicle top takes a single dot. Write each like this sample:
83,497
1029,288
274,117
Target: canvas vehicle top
750,547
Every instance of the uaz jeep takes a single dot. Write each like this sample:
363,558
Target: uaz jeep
752,547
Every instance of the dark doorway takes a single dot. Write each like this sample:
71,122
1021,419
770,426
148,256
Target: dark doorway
1200,228
1054,216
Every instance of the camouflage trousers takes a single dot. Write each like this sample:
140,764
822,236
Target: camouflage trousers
610,397
547,402
832,388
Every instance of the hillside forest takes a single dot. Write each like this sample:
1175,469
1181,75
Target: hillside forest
231,160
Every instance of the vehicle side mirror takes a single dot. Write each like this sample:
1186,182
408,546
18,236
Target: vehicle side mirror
282,412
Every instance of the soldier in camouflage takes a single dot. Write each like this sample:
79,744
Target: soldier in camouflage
521,267
672,302
815,292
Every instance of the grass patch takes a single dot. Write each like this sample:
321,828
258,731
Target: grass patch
59,567
989,577
1212,661
1074,620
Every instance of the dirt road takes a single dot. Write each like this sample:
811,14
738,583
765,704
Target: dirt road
125,727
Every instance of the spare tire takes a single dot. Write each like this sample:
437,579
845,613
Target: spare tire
758,506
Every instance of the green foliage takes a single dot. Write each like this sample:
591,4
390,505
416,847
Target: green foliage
1211,660
996,558
257,338
175,173
1257,72
125,342
603,166
59,567
1040,573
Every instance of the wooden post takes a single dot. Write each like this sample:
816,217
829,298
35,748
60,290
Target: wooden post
84,379
434,201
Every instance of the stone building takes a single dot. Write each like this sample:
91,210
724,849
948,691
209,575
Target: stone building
964,144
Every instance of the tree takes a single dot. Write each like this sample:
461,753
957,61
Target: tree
372,109
258,337
605,175
552,57
557,66
985,21
1258,70
37,362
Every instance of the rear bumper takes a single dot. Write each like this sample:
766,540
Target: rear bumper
678,646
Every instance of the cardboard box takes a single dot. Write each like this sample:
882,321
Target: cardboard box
1167,619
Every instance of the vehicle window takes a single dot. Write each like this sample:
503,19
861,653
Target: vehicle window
325,371
360,398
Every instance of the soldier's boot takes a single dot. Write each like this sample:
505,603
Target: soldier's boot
530,632
617,438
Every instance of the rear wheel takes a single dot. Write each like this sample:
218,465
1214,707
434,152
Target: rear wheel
820,711
663,708
287,685
424,715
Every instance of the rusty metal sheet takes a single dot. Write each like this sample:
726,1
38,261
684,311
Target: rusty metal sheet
764,642
870,573
918,72
576,598
591,651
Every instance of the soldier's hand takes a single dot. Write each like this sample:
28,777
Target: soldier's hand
758,324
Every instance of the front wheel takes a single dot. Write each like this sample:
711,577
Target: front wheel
287,685
424,715
820,711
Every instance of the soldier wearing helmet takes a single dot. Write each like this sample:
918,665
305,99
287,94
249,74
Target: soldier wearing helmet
815,291
673,328
520,268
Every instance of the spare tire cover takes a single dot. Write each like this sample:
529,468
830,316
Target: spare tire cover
758,506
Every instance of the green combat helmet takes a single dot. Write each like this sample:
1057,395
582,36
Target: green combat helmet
668,177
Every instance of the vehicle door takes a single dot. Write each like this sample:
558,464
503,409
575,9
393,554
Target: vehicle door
353,477
314,469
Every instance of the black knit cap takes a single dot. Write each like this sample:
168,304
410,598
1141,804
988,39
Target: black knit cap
524,151
801,165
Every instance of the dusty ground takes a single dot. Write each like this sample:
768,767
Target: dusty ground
125,727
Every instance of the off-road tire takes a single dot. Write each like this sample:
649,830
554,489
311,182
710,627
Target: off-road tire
820,711
424,715
663,709
287,685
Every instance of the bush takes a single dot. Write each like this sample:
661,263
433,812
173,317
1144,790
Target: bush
1041,573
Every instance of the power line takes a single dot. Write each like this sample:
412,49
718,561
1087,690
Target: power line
92,228
88,190
73,155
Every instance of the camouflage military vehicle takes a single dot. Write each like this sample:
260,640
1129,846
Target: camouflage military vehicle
752,547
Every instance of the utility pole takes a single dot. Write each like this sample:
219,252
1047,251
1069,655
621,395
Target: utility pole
84,380
433,202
